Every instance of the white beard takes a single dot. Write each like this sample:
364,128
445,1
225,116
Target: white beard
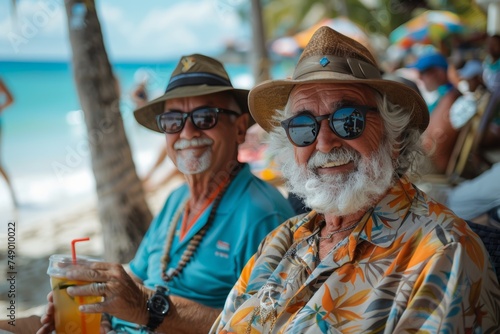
187,161
341,194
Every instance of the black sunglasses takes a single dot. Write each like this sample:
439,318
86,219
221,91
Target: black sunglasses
204,118
347,122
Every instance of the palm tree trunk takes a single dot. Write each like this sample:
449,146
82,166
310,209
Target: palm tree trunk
122,208
260,61
13,12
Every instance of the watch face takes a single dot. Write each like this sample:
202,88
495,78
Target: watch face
159,304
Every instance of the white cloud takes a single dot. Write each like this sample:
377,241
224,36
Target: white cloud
168,31
190,26
39,28
114,21
110,13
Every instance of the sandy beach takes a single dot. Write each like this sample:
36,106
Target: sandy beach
51,234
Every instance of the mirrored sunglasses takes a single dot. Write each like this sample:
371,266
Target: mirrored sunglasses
347,123
204,118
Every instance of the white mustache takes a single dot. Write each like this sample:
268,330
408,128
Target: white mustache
182,144
338,155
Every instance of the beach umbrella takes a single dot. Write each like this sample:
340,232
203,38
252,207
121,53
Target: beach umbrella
429,27
342,24
289,46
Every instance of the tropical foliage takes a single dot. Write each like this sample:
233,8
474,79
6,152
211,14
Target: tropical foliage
287,17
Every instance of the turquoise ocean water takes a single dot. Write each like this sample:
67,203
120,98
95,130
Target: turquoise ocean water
44,129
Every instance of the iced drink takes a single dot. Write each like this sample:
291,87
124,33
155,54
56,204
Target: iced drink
68,319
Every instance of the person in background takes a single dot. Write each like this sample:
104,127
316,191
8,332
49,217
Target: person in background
478,200
491,64
6,99
475,96
208,228
440,137
140,94
375,254
432,68
254,151
491,78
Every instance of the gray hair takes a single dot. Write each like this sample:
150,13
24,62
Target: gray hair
403,138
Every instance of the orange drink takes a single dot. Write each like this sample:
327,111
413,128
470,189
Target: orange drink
68,319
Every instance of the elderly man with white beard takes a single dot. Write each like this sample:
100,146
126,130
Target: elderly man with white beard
375,254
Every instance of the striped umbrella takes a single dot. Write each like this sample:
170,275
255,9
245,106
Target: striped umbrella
430,27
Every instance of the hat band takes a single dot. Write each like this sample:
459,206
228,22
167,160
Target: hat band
355,67
197,78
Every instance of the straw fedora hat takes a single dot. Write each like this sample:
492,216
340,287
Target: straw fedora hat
195,75
331,57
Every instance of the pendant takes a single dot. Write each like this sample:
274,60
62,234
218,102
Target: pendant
267,312
268,305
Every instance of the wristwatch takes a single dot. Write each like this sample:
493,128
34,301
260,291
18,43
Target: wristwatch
158,306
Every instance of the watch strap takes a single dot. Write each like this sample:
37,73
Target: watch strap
155,319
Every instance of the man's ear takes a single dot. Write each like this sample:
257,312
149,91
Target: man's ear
241,127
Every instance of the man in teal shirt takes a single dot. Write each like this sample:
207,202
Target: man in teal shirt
208,228
249,209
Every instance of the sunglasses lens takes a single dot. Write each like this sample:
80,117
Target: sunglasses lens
348,123
204,118
171,122
302,130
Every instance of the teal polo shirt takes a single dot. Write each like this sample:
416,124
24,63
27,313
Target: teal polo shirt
248,211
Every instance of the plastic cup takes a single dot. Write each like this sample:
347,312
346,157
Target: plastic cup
68,319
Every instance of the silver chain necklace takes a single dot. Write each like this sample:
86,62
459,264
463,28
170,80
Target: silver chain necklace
335,232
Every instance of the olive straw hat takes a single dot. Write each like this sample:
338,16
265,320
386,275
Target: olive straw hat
331,57
195,75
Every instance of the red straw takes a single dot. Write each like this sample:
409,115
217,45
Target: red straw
80,299
73,250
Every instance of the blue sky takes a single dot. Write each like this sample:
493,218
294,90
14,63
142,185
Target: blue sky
133,30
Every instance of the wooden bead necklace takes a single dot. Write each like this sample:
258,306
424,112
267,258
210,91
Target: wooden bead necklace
196,239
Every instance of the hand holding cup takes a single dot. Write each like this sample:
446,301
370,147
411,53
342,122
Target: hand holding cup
122,296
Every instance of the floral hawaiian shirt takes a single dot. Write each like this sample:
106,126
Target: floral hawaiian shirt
410,266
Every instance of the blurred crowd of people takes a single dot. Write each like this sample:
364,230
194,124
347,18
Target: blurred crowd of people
461,86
